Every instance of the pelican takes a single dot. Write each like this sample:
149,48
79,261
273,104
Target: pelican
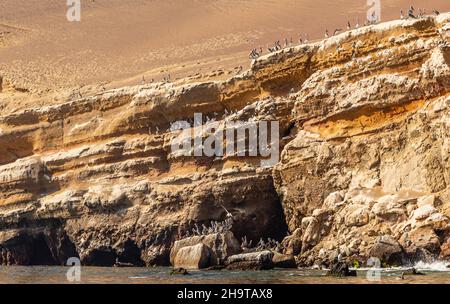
374,18
401,15
349,27
229,215
411,13
326,33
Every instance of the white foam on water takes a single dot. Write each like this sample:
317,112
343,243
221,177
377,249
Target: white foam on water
433,266
138,277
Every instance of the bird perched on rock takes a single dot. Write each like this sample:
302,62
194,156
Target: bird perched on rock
261,245
306,38
228,214
196,230
204,230
401,15
411,13
337,31
326,33
421,13
436,12
349,27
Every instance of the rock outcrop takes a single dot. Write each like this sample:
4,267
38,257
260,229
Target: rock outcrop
193,257
368,171
364,127
251,261
221,245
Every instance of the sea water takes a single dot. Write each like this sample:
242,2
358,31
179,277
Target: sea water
434,273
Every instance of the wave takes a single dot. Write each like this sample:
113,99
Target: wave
433,266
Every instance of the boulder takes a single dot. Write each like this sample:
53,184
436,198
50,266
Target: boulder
341,269
222,246
261,260
283,260
445,250
293,242
424,212
421,244
356,215
193,257
179,271
388,250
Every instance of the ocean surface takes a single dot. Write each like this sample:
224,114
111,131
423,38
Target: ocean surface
434,273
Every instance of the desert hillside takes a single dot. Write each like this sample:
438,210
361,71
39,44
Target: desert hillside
117,42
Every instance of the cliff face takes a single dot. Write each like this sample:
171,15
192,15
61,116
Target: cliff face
364,121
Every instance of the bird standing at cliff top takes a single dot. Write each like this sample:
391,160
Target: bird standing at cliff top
411,13
401,15
326,33
421,13
349,27
229,215
357,23
436,12
337,31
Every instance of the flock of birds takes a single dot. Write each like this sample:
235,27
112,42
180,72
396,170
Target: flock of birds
256,53
215,227
191,122
225,226
270,244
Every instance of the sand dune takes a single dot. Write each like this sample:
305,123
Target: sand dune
117,42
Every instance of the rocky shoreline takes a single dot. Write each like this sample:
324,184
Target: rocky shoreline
364,169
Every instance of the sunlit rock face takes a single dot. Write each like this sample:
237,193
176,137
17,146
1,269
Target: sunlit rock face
364,155
370,159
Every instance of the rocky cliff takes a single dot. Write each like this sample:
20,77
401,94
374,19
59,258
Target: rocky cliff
364,166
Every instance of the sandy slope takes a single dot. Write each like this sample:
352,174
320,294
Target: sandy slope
119,41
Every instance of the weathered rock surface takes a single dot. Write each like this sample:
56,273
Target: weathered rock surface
364,121
371,159
283,260
341,269
193,257
221,245
251,261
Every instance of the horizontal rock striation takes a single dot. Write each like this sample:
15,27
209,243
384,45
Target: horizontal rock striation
364,127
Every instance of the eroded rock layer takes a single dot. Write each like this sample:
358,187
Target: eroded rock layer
364,127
